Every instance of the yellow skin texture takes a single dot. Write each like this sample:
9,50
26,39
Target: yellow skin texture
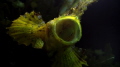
57,36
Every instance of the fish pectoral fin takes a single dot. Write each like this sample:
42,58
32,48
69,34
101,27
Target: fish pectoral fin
68,58
38,44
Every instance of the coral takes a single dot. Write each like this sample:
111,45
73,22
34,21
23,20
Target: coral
17,3
101,57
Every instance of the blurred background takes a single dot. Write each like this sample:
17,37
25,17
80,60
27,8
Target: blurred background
100,25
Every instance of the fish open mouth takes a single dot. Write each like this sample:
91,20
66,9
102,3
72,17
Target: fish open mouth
67,30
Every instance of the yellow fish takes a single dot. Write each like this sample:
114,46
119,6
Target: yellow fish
57,37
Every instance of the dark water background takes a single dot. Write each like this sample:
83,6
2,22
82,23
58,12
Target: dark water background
100,24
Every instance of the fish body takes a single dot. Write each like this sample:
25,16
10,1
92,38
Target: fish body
57,37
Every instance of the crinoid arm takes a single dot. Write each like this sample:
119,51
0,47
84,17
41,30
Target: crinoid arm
26,29
77,7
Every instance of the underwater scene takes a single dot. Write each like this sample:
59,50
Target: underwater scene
59,33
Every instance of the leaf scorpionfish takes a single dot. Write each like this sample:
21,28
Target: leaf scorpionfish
58,36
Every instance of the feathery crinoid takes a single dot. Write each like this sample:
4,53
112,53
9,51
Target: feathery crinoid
27,29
